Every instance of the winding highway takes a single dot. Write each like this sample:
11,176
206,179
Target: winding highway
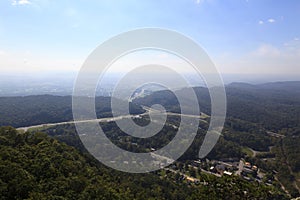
109,119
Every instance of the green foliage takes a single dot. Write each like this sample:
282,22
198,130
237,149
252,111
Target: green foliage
34,166
292,151
274,106
42,109
287,163
39,167
246,134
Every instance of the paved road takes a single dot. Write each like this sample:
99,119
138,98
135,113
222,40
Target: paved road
241,166
72,122
184,175
162,158
108,119
207,172
275,134
176,114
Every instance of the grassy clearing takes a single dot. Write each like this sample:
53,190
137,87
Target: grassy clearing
247,151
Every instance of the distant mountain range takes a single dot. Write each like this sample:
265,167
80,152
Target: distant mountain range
274,105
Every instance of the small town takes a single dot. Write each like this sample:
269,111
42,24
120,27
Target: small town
190,170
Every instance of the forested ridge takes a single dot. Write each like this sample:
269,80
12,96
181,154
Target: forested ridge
274,106
41,109
253,111
35,166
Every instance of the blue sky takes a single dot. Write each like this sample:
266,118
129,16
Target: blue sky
247,36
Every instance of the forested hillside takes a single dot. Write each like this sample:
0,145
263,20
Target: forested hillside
35,166
274,106
41,109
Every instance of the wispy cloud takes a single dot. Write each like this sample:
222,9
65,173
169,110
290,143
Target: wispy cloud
199,2
271,20
292,47
20,2
265,59
267,50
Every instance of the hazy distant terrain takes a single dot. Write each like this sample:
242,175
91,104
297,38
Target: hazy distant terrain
62,83
273,105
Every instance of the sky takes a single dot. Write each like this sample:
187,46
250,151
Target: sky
240,36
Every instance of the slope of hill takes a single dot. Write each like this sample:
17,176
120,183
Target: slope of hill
41,109
275,106
252,112
34,166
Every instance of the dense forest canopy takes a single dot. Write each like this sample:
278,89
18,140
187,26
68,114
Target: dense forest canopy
274,106
41,109
35,166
